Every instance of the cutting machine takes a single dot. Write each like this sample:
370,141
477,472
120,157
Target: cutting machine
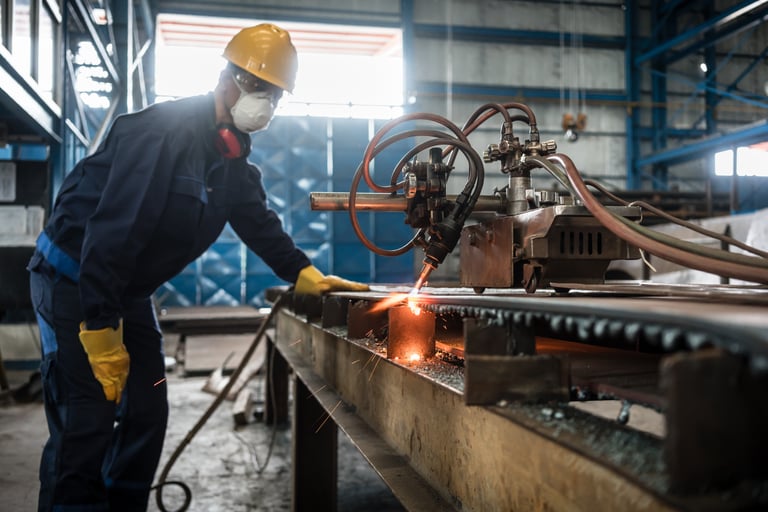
517,236
459,368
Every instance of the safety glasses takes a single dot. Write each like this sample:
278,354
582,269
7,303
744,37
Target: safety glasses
249,83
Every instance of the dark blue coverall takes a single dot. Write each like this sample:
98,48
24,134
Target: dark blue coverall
153,198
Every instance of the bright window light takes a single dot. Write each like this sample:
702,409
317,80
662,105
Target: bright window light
92,82
344,71
750,161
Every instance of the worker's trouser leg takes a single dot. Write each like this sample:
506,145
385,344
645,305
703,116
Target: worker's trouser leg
99,456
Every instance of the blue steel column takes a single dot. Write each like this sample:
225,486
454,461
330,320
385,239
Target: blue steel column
710,104
659,100
632,80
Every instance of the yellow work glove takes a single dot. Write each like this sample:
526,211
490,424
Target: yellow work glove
313,282
108,358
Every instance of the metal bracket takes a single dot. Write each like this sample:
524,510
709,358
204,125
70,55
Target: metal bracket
501,365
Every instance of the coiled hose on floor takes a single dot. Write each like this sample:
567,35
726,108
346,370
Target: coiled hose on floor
162,481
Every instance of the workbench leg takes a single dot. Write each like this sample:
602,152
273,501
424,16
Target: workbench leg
276,389
314,454
3,379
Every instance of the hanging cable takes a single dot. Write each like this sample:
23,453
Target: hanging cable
163,481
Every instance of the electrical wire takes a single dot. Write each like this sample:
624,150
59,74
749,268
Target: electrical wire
163,479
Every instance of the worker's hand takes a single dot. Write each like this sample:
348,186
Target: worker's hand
313,282
108,358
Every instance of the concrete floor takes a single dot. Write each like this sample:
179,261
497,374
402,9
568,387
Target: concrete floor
220,465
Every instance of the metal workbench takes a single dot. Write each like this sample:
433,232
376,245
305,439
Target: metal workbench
487,422
206,320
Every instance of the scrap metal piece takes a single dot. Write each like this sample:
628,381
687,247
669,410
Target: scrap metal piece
716,419
411,335
474,458
497,369
334,311
363,322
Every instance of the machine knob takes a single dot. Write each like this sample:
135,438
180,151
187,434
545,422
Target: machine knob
548,147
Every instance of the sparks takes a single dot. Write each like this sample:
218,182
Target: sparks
416,310
159,382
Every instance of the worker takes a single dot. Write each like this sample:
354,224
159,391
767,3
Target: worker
154,196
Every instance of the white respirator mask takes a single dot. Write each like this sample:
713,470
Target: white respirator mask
253,111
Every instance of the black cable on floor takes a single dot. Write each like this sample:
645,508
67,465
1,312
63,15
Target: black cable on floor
162,482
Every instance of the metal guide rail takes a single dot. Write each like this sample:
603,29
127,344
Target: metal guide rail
466,401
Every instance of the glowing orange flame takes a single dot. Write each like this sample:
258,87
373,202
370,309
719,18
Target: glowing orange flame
414,357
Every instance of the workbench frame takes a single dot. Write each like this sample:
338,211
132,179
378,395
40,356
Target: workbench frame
436,452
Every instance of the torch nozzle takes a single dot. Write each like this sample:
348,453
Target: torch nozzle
423,276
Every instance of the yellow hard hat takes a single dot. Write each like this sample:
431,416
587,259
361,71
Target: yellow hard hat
266,52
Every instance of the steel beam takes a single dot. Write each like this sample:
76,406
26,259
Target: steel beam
16,93
313,454
511,454
703,148
746,10
304,346
460,457
512,91
516,36
725,438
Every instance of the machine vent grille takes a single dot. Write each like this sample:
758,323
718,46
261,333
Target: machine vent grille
581,243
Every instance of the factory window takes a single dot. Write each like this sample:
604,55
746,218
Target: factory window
750,161
344,71
92,81
46,64
21,40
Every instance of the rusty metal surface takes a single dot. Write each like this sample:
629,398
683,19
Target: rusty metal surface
476,458
722,436
511,456
665,323
410,336
664,320
489,351
316,358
